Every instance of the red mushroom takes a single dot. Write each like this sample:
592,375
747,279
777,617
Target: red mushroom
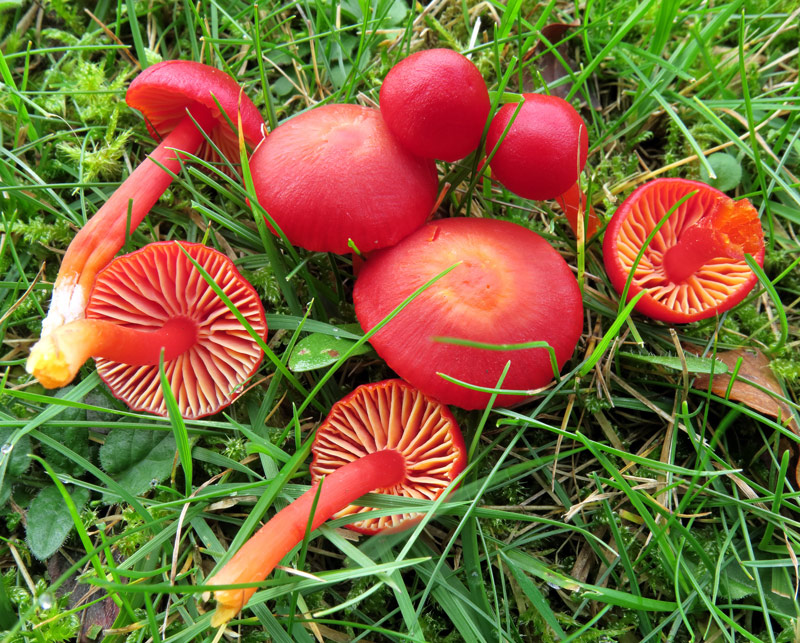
336,173
544,149
154,299
182,101
694,266
510,287
386,437
435,102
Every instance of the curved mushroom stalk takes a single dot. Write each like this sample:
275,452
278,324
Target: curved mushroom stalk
386,437
156,299
101,238
56,358
259,555
183,102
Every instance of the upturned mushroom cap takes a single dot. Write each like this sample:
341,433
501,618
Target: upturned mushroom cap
544,150
435,102
158,284
391,415
510,287
335,173
718,284
164,91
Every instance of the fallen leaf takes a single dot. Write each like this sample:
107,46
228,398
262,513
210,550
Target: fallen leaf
550,67
755,368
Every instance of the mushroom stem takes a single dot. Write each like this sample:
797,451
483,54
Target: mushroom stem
56,358
729,231
101,238
574,201
265,549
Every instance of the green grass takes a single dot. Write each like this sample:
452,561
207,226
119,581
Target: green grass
621,504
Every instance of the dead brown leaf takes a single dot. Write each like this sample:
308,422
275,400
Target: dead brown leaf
550,67
754,368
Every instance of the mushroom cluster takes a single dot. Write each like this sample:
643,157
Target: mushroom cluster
467,311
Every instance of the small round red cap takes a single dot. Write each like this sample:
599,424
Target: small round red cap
544,150
164,91
336,173
509,287
435,102
707,236
159,284
391,415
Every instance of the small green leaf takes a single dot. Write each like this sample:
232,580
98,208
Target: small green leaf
693,364
18,460
49,521
138,458
727,169
318,351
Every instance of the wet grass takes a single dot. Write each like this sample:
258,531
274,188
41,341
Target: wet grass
625,503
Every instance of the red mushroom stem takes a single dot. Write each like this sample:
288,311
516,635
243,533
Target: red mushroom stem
56,358
265,549
103,236
574,201
729,231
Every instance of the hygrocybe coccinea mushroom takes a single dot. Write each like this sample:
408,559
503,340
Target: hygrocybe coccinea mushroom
336,173
182,102
386,437
156,299
542,152
694,266
435,102
509,286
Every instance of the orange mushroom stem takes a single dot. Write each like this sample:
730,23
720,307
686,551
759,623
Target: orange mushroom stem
386,437
103,236
730,230
261,553
56,359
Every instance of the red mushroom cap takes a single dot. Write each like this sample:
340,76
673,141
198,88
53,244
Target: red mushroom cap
716,232
511,287
336,173
158,283
164,91
544,150
436,104
391,415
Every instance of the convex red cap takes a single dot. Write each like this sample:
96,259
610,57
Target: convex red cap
544,149
164,91
510,287
158,287
336,173
694,266
435,102
391,415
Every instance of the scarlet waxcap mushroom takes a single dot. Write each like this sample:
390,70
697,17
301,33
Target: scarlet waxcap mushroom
154,299
169,94
335,173
694,266
544,150
435,102
386,437
510,287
